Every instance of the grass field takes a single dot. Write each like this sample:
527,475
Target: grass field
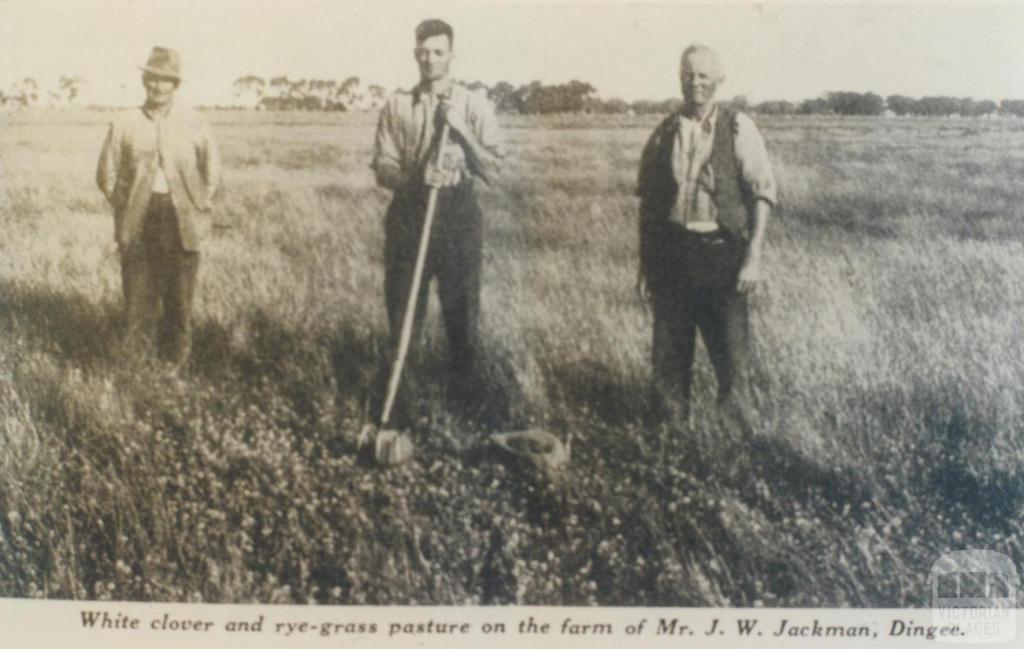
889,381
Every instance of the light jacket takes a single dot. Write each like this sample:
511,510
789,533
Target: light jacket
135,146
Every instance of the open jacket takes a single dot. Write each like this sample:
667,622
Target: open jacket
135,146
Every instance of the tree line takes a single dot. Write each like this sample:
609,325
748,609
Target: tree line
28,93
581,97
868,103
351,93
282,93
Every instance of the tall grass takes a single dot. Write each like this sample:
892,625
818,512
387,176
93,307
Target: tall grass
888,382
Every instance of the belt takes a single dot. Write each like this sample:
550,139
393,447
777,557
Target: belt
679,230
712,238
703,226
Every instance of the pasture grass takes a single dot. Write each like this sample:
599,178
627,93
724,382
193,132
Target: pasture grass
888,382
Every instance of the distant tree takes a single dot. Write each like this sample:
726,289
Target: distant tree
1013,107
571,97
940,106
901,105
308,102
663,107
931,106
502,94
247,82
819,106
249,89
24,92
323,91
348,84
539,98
349,93
524,96
271,102
842,103
950,105
297,89
871,104
855,103
967,107
738,103
775,108
280,86
986,107
69,88
614,106
577,93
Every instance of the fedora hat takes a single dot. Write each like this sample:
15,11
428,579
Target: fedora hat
163,62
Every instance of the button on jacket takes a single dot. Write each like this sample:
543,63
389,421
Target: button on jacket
137,144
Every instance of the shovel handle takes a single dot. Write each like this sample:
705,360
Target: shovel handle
414,291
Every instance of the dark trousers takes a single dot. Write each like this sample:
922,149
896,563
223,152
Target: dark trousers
159,278
453,259
694,288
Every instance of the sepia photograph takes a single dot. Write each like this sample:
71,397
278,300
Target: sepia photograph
537,304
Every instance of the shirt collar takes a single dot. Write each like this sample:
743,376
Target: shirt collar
419,92
149,115
707,124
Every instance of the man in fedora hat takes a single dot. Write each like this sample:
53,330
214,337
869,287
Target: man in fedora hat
706,188
159,169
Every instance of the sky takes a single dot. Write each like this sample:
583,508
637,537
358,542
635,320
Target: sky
770,50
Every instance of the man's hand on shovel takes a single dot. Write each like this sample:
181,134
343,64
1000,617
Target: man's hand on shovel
436,176
440,172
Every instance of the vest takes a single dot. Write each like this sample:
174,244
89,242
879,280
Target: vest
659,190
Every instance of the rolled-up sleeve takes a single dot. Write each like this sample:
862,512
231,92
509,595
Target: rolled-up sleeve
209,161
755,165
385,145
109,163
488,131
486,162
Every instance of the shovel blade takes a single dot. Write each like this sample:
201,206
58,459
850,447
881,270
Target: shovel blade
386,446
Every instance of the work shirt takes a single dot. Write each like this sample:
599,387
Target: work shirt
691,153
139,146
160,185
406,131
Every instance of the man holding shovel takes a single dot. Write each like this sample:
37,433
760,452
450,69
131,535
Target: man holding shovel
412,161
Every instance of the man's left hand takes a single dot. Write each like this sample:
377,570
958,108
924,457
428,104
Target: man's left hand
437,177
750,275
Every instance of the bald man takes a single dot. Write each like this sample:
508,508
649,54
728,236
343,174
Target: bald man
706,188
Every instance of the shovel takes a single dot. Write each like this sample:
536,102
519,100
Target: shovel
391,446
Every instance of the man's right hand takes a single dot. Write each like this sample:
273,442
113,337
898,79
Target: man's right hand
435,176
